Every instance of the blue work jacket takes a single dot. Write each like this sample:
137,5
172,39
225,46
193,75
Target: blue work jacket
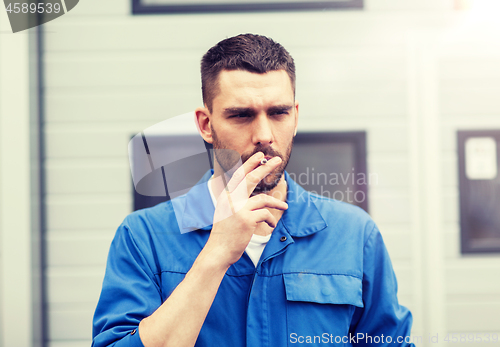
324,278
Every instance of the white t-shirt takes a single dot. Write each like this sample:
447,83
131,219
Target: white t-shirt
257,243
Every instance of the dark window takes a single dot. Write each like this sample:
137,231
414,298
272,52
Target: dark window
172,7
478,159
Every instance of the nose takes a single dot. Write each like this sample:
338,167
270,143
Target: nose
262,131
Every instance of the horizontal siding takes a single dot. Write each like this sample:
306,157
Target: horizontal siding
116,69
87,144
292,29
470,101
469,76
66,283
89,178
473,316
399,245
449,169
407,5
394,209
100,8
82,248
388,172
389,137
71,324
333,103
477,280
96,213
71,343
451,207
101,105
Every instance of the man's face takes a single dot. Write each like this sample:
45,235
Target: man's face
251,113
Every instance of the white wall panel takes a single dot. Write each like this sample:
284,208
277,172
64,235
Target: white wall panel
451,208
388,137
388,172
71,324
477,83
473,316
406,281
351,64
483,68
70,343
408,5
399,247
390,208
293,29
88,144
474,280
86,177
102,8
83,213
121,104
133,69
333,103
79,248
469,78
470,101
451,240
450,171
66,283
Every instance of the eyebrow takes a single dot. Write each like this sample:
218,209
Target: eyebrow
249,110
238,110
279,108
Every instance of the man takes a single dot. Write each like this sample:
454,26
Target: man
266,263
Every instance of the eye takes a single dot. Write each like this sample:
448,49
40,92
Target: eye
239,116
280,112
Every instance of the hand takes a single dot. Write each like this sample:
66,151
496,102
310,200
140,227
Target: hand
237,216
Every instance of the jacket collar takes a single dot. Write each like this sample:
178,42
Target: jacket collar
302,217
195,210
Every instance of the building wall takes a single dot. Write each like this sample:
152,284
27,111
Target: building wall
20,266
395,70
470,82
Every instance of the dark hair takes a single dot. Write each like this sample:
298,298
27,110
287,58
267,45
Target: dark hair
253,53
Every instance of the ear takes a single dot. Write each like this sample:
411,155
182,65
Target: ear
296,117
202,121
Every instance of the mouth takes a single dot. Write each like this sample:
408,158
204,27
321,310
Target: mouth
265,159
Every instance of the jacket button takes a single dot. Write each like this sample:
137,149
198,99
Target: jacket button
133,332
283,238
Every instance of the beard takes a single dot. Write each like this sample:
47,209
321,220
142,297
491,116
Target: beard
228,160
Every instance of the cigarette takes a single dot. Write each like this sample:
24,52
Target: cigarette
263,161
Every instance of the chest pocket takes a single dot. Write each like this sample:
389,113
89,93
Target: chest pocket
320,307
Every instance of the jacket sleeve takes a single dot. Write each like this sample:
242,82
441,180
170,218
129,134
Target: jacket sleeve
382,321
129,294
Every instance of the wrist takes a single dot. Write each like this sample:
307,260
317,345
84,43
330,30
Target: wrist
212,260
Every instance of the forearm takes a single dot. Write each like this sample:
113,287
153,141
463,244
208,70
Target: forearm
178,321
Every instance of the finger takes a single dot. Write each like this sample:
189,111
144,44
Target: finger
253,178
239,196
262,201
240,174
264,215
